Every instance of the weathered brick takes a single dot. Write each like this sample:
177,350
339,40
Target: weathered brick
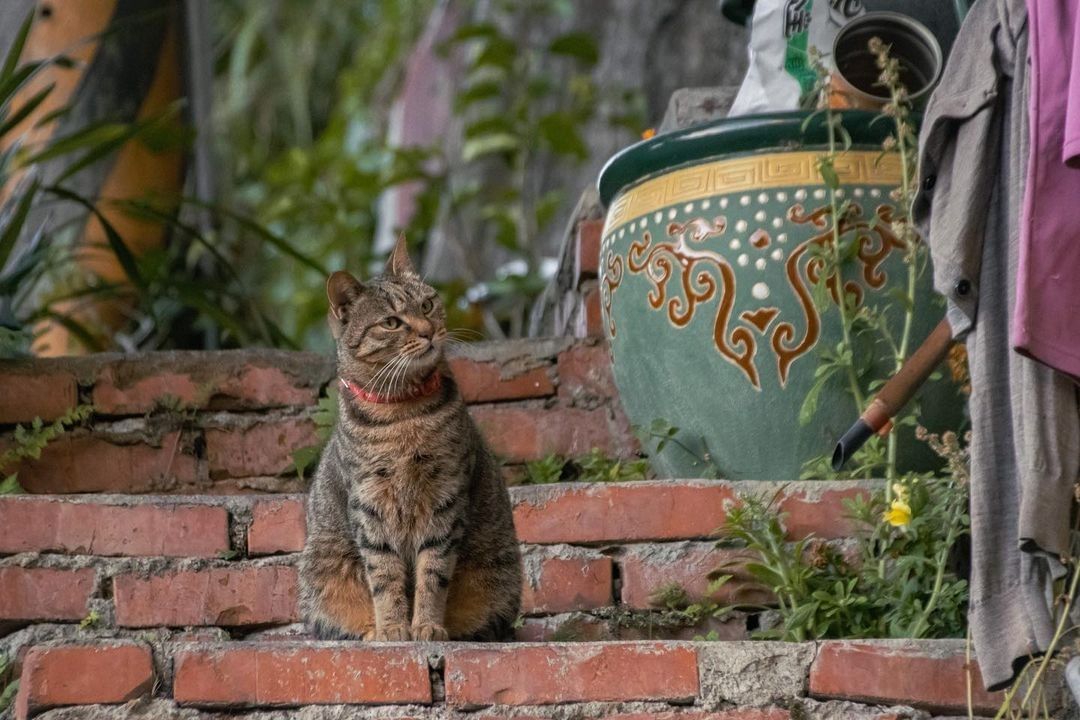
572,627
591,320
587,249
565,579
38,594
925,674
571,672
82,462
585,373
285,674
644,569
522,433
664,510
227,597
105,674
596,513
261,449
36,524
481,382
277,526
25,396
143,395
819,510
224,380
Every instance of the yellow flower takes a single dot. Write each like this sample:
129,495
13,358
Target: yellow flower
898,514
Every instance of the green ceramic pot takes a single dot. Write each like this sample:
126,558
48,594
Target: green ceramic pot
707,289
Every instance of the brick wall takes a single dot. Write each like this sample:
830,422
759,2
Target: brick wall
168,585
593,556
192,601
226,422
570,304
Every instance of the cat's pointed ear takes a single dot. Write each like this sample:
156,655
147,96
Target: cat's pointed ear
399,263
341,289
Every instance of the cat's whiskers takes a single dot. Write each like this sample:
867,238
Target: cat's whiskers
398,374
465,333
380,372
384,372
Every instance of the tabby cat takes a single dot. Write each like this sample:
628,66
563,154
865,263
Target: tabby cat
410,532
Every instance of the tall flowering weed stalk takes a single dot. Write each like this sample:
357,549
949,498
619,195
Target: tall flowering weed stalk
897,581
865,329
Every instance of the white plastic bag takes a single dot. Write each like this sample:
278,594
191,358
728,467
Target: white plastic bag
781,33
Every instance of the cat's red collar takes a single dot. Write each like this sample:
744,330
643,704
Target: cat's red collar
427,388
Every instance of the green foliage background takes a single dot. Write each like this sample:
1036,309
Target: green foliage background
301,92
302,97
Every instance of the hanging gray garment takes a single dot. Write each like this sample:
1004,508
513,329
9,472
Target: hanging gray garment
1025,452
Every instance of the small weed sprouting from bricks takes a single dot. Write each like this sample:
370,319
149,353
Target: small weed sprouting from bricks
9,684
91,620
31,440
594,467
325,417
680,609
168,403
661,433
663,620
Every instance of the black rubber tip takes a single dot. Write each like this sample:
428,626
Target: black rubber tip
853,439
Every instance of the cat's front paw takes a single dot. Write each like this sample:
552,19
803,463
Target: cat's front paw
429,631
392,633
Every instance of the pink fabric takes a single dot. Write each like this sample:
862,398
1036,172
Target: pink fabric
1046,325
1072,117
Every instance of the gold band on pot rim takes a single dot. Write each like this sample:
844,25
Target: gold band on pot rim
747,173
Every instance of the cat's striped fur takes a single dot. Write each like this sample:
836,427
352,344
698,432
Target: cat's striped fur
410,532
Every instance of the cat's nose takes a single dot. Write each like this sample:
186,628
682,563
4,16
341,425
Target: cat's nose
425,330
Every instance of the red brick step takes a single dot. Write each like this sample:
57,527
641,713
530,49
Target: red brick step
732,681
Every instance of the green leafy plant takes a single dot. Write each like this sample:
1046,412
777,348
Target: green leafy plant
598,467
324,417
679,608
899,583
864,328
544,471
9,684
31,440
594,467
661,433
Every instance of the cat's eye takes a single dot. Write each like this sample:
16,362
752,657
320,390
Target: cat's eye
392,323
427,306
